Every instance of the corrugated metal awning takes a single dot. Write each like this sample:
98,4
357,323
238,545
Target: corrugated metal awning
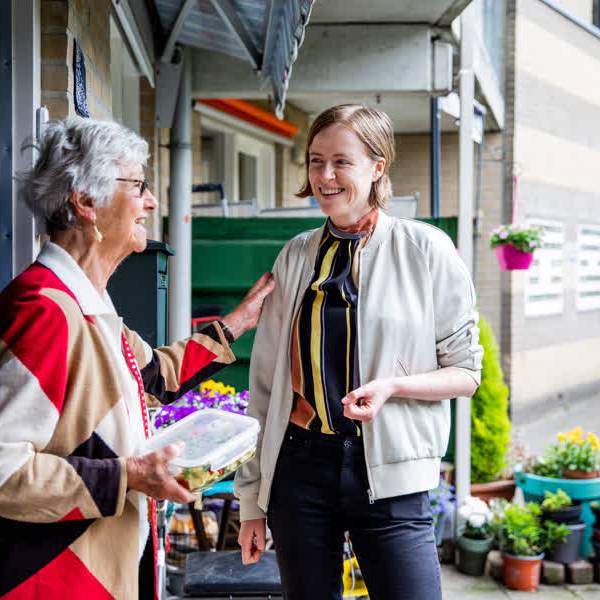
265,33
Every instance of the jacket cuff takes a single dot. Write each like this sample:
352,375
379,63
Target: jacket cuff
122,487
249,509
475,375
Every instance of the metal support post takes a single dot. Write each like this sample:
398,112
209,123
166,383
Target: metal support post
26,93
435,157
465,236
180,210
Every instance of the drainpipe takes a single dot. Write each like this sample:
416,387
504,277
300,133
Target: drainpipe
465,236
180,209
481,111
435,157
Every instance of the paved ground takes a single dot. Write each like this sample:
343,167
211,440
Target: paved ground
457,586
462,587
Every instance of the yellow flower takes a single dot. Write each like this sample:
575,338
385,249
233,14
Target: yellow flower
216,387
575,436
592,438
562,437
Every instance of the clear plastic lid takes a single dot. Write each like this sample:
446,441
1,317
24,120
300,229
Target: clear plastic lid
212,437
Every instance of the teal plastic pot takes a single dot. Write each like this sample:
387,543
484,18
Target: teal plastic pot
472,554
584,490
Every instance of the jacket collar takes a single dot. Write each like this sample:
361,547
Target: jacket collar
63,265
380,233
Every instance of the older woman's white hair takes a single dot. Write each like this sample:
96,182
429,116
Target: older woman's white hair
81,155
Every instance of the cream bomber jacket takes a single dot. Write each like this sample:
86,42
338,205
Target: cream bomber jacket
415,313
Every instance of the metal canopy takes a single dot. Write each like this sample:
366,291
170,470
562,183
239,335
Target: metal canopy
264,33
431,12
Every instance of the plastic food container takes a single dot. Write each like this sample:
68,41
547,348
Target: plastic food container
217,442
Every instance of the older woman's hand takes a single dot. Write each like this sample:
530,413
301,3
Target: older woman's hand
151,475
245,316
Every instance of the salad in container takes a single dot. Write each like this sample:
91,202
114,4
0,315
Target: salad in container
217,442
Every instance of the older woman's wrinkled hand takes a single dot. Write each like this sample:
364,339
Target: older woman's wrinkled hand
151,475
245,316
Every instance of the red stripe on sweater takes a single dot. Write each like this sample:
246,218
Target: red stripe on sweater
74,515
64,578
35,329
195,357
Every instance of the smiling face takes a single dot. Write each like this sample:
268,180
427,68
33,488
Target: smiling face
122,221
341,173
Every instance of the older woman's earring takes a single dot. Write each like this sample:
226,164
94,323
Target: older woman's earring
97,234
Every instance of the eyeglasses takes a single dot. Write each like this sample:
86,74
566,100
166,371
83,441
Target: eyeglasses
141,184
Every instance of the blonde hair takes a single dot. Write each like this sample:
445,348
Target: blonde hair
373,128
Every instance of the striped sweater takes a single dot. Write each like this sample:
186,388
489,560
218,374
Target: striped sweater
69,414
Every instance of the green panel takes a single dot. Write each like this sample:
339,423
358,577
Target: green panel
231,265
254,228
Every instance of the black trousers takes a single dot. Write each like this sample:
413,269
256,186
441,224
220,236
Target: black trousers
319,491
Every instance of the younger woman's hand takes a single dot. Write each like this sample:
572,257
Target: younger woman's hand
252,540
364,403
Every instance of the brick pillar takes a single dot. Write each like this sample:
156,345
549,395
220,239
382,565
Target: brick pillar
63,21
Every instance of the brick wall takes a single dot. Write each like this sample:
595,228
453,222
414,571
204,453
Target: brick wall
411,173
86,21
554,145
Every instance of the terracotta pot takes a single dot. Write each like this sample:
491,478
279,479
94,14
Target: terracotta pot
522,572
578,474
503,488
511,259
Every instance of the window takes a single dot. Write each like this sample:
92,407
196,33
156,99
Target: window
247,176
244,165
588,267
544,287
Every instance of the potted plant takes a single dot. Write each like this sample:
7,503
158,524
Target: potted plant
442,501
477,537
490,424
515,245
558,507
211,394
573,456
523,539
571,464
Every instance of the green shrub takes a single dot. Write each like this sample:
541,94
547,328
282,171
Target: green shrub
490,425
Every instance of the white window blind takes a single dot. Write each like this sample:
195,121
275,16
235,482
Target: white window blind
588,267
544,287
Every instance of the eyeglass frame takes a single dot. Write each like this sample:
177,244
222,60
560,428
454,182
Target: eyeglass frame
142,184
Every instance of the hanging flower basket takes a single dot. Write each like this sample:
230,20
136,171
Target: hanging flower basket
511,259
515,245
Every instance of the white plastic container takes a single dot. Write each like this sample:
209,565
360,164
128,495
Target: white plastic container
217,442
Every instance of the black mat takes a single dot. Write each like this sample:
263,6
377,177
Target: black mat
222,573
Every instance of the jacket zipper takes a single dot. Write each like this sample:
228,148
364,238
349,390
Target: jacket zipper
370,492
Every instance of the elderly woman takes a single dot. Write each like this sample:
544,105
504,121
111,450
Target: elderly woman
74,516
373,327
